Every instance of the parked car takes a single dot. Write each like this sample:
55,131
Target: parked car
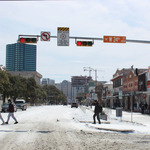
74,105
65,103
21,104
5,107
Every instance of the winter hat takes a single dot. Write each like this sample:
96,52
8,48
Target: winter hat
9,100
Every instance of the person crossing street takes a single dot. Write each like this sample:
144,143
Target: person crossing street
96,112
2,119
11,112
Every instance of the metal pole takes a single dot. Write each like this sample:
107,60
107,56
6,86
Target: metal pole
90,38
131,105
95,81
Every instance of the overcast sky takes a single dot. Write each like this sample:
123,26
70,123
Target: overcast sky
86,18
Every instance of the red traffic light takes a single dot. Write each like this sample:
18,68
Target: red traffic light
84,43
28,40
79,43
22,40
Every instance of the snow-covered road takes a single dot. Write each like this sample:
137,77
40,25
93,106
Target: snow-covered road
58,127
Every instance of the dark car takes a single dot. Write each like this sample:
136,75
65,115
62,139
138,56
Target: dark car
5,107
65,103
74,105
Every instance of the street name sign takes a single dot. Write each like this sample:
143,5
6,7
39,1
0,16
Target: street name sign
62,36
45,36
114,39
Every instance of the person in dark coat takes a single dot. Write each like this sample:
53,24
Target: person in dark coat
145,105
11,112
96,112
142,108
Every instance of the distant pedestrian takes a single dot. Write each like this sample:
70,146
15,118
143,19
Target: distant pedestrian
142,108
145,106
2,119
96,112
148,109
140,105
11,112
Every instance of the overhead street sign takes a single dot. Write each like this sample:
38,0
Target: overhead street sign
114,39
45,36
62,36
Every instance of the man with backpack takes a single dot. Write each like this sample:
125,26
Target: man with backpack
97,110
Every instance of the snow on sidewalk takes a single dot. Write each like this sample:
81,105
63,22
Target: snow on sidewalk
140,123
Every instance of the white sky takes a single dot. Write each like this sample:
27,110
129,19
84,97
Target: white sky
86,18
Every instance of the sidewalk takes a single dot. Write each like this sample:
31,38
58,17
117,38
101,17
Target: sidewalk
137,117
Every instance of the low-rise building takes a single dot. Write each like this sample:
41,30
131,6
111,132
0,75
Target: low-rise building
27,74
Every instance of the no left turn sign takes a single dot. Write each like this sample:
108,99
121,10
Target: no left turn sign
45,36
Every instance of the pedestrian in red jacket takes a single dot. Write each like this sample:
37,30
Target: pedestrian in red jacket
11,112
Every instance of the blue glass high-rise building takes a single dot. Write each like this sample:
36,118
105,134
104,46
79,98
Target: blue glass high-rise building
21,57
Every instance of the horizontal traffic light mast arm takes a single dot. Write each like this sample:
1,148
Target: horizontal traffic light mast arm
91,38
138,41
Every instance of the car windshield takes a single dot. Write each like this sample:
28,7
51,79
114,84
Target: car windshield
18,102
5,104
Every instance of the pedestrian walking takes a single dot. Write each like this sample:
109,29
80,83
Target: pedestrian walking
97,110
142,108
11,112
145,107
2,119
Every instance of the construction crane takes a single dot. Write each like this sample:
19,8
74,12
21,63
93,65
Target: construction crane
91,69
88,69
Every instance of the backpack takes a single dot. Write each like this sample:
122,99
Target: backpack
100,109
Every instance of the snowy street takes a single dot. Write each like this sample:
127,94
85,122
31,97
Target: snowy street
58,128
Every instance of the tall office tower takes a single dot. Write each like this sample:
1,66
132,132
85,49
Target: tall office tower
21,57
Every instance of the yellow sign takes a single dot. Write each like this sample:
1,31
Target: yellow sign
63,29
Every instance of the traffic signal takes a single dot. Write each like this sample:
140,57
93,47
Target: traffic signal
28,40
84,43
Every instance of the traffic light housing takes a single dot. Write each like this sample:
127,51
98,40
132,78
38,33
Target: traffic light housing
28,40
84,43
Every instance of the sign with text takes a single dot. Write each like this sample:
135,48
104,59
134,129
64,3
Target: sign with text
62,36
120,94
114,39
